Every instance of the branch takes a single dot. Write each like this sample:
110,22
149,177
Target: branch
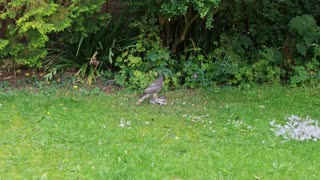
187,24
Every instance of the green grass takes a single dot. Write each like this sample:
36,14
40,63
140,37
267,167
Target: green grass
200,134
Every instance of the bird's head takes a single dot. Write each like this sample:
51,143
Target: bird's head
158,74
161,76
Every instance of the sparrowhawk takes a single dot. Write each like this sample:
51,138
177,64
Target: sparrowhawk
152,89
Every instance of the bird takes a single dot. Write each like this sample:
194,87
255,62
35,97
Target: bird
152,89
160,101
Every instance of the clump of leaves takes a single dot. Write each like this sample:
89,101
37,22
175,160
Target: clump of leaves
138,63
306,32
94,55
27,26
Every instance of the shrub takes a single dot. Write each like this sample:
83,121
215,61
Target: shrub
306,35
306,32
28,25
94,55
175,18
226,66
267,69
139,62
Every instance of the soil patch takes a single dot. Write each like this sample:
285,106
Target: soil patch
28,78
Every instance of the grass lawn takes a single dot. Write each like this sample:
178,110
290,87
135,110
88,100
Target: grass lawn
200,134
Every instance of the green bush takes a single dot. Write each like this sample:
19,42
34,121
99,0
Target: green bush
193,67
194,43
29,25
230,68
137,63
308,73
176,18
226,66
266,69
305,31
94,55
306,34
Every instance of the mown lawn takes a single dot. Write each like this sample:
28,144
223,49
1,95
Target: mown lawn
200,134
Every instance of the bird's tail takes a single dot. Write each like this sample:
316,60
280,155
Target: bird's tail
142,99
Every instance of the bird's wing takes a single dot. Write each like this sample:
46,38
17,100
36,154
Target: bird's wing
154,87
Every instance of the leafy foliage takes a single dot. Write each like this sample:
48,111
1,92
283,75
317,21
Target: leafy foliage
266,69
195,43
306,32
27,25
94,55
176,17
139,62
87,18
26,38
306,36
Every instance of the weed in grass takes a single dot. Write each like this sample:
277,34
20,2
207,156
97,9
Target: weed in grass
89,92
4,84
